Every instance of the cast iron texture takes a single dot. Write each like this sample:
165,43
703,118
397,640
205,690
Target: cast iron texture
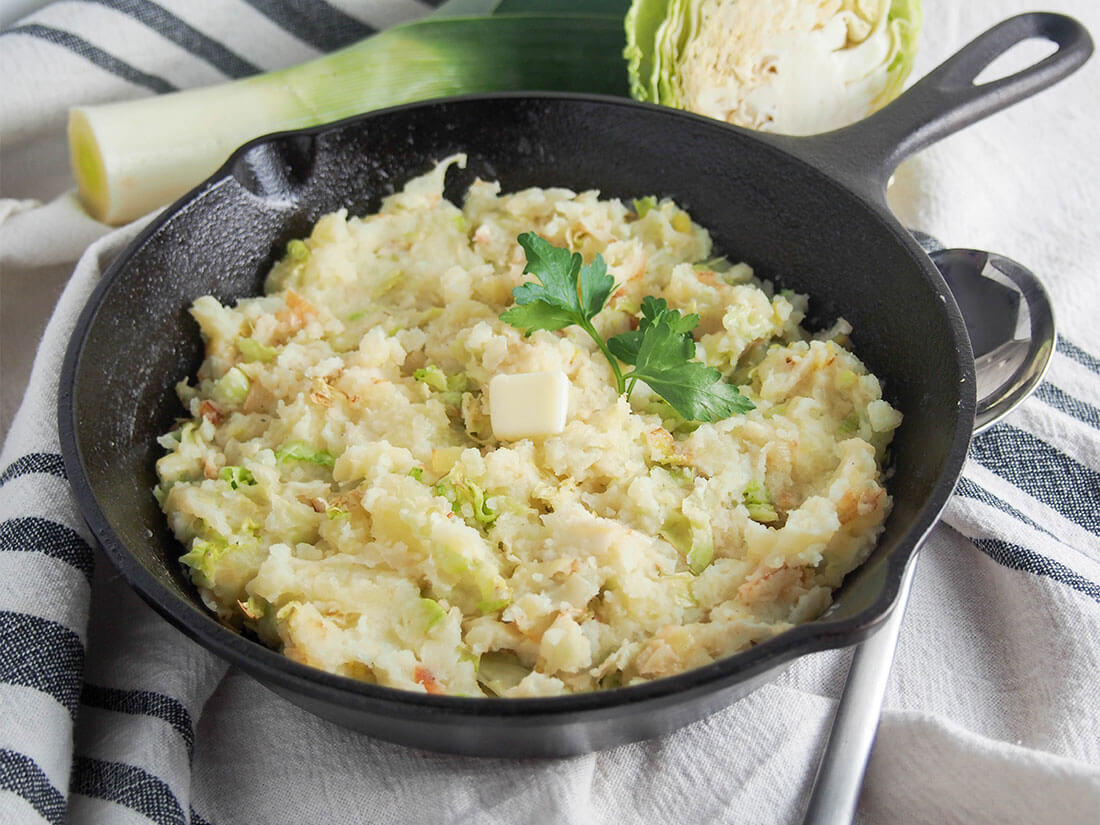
793,222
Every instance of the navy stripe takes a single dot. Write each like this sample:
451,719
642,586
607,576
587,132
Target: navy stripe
196,819
143,703
1063,484
1061,400
1020,558
129,786
969,489
41,655
49,463
21,775
166,24
1077,354
39,535
314,22
93,54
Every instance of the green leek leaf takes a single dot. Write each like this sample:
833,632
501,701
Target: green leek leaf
132,157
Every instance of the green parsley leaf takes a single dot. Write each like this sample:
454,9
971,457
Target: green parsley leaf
625,346
695,391
568,291
557,270
596,287
538,315
653,309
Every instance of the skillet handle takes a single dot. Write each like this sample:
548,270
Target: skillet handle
946,100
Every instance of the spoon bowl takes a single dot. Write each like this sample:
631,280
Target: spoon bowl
1010,321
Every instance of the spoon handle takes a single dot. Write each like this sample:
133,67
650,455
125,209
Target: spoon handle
840,772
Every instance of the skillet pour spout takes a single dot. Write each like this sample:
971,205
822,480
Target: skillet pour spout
778,203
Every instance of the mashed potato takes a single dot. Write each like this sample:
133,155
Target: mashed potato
342,495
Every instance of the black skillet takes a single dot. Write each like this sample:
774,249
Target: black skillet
809,212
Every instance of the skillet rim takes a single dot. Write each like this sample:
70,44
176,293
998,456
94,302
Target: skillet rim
269,665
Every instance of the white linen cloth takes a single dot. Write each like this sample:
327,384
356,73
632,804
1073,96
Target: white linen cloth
110,715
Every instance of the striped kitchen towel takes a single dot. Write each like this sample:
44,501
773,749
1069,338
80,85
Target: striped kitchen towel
109,715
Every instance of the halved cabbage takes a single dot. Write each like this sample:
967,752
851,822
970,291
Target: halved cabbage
796,67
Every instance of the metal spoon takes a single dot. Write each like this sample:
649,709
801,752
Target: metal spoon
1011,324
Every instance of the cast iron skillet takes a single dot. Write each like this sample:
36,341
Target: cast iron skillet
809,212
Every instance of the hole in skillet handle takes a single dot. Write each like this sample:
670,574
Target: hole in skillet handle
277,169
1016,59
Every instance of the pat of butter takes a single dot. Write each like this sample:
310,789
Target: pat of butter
528,405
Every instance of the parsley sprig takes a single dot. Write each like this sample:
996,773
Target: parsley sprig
661,350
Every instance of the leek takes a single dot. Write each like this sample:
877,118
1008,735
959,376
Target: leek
433,376
433,613
232,388
759,503
132,157
252,350
203,558
300,451
237,477
468,501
